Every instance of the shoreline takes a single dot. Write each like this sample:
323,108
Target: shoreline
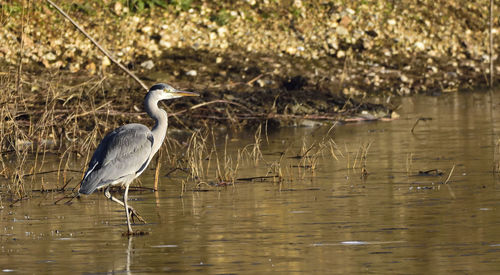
252,62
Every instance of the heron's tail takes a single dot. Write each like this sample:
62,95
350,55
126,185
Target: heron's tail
90,182
86,188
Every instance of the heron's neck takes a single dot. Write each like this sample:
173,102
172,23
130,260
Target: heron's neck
160,128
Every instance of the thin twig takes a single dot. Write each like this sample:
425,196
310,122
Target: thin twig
62,198
449,175
491,43
21,46
419,119
212,102
66,184
415,125
98,46
256,178
157,170
48,172
254,79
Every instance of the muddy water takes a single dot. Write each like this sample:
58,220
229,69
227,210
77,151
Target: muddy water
330,220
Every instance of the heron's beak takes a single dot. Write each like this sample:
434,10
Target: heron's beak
184,93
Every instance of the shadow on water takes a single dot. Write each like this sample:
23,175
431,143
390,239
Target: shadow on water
410,213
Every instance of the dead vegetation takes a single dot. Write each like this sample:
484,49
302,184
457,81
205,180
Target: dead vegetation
212,165
41,117
59,112
63,115
76,117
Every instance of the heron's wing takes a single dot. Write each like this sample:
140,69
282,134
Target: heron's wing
123,152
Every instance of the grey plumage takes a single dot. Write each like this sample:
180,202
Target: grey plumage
125,153
122,153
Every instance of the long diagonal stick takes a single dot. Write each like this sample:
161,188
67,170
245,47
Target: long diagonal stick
99,46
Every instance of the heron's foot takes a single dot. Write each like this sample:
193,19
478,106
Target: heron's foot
134,215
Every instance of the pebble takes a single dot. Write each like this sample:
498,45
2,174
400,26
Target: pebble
191,73
148,65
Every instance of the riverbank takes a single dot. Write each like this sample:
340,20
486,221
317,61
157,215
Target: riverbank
284,62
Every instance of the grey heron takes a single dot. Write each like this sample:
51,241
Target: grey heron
125,153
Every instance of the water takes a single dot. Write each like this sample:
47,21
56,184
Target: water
331,220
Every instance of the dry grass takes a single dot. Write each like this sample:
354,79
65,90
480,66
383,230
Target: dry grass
252,152
409,164
496,167
202,158
50,114
68,117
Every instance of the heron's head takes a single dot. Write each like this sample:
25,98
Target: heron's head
164,91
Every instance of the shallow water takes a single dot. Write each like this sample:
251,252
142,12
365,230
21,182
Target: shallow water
330,220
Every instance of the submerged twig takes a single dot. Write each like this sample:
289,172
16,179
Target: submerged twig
256,178
157,170
449,175
419,119
450,190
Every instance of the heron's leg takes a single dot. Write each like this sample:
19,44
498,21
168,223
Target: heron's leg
133,212
125,198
